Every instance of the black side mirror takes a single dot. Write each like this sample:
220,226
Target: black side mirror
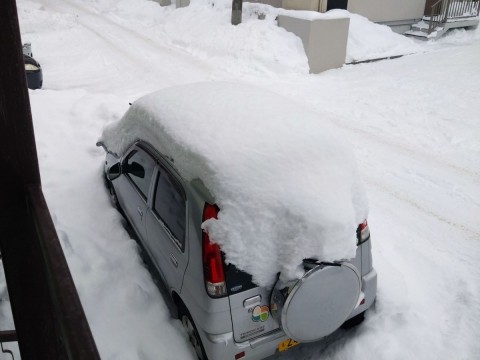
114,171
136,170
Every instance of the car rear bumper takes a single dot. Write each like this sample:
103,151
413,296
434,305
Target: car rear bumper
369,292
224,347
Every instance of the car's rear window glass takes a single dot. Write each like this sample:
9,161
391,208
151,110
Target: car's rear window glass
237,280
139,168
169,205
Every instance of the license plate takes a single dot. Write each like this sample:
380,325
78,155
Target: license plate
287,344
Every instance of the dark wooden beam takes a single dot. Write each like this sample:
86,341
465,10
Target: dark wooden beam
49,320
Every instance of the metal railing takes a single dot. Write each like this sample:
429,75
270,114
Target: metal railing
444,10
463,8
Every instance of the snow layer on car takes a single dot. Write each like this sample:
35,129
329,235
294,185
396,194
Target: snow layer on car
286,183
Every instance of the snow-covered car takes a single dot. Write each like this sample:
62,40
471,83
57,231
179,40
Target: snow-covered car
33,69
251,209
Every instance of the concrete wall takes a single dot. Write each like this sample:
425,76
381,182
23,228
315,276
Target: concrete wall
274,3
314,5
163,2
387,10
300,4
181,3
324,40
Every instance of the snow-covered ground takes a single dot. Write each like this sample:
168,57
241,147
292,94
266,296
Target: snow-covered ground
413,122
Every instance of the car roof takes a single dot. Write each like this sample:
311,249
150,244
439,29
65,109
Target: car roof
220,120
270,163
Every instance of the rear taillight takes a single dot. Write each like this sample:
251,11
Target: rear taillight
363,233
212,259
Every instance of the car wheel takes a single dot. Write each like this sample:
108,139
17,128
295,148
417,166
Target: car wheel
111,192
192,333
113,196
355,321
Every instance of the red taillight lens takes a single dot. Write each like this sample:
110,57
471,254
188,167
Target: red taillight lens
363,233
240,355
212,259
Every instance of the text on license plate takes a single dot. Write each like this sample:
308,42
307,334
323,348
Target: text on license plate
287,344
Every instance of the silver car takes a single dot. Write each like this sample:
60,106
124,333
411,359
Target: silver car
225,314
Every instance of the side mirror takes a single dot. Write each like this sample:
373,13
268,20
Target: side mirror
114,171
136,170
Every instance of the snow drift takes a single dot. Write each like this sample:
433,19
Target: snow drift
286,184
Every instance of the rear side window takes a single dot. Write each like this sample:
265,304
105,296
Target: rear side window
139,168
170,205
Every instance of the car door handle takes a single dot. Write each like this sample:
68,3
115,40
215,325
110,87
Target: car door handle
173,260
140,211
251,302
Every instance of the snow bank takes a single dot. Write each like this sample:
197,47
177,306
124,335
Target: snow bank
368,40
286,184
203,29
34,18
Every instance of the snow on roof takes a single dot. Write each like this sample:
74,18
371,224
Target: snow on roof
286,183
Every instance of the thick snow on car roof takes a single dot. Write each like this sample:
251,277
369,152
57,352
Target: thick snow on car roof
286,183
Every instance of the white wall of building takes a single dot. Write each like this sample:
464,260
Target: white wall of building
374,10
387,10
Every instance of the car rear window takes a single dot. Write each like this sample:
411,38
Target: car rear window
237,280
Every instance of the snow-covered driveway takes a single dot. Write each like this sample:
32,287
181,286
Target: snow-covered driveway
414,124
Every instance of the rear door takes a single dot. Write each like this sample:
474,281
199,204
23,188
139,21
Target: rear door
166,227
249,306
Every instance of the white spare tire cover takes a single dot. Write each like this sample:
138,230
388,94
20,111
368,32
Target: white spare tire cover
317,304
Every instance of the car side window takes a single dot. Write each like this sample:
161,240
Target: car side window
170,205
139,168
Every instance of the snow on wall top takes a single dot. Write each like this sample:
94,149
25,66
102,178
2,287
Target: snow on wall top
313,15
286,183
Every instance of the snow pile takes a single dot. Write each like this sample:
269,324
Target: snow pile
203,29
206,30
41,20
287,186
368,40
457,37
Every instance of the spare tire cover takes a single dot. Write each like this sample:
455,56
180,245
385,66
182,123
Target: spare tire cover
317,304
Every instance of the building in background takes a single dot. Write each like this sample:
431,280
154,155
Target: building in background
420,18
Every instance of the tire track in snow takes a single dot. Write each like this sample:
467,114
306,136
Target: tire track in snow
412,153
114,34
289,88
416,158
472,234
135,47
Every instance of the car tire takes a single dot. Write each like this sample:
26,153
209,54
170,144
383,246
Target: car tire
192,332
113,196
354,321
112,193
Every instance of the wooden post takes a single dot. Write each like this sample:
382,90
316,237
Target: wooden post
237,11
